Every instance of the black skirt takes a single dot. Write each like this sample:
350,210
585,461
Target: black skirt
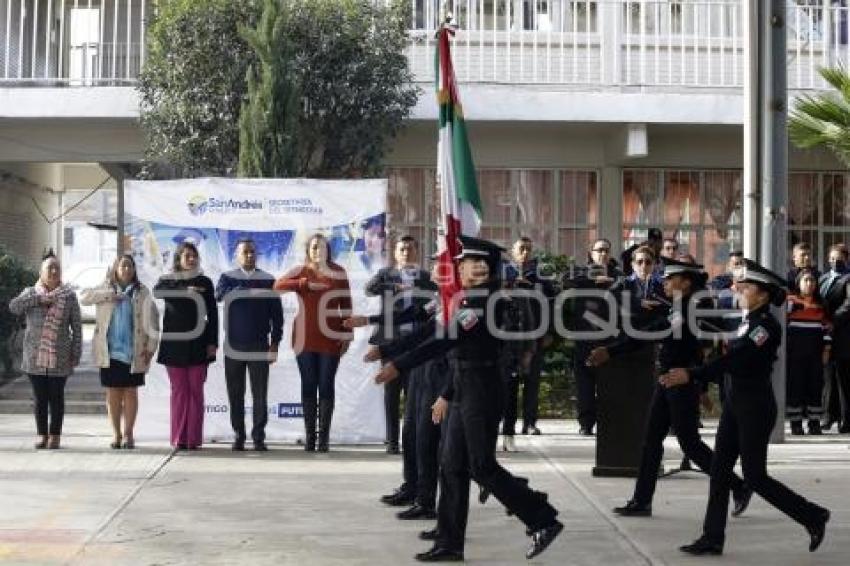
118,375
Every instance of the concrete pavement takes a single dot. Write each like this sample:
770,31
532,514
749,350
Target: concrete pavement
87,504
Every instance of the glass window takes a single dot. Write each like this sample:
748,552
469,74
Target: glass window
516,202
700,209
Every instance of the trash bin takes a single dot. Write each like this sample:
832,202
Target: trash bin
624,389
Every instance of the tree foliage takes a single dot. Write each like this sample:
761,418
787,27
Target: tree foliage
324,84
823,120
268,125
15,275
193,85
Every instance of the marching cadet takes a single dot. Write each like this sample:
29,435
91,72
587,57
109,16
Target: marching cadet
748,414
472,427
678,407
425,384
809,345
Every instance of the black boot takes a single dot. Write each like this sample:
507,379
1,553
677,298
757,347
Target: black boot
796,427
817,530
309,406
814,427
326,411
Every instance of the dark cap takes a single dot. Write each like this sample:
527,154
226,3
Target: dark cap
655,234
477,247
677,267
752,272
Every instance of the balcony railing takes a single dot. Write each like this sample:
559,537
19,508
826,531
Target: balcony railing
668,44
629,43
72,42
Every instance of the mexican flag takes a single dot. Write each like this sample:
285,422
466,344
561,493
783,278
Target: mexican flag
460,203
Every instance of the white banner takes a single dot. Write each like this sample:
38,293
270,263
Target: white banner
279,215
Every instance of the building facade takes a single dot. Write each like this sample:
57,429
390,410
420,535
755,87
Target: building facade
588,118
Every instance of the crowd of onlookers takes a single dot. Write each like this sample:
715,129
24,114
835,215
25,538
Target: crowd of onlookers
130,333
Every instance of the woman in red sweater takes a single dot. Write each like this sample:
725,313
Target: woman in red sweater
318,337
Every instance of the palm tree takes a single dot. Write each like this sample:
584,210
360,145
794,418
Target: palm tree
823,120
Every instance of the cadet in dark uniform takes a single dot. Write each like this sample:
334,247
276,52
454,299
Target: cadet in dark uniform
749,413
676,407
425,384
472,427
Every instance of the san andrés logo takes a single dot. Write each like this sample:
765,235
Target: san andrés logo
201,204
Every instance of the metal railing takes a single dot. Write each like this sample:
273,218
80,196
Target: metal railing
599,43
72,42
631,43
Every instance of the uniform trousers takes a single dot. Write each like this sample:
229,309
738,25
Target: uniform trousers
804,389
469,453
744,430
676,408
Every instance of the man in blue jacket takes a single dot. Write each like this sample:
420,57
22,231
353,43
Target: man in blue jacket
253,317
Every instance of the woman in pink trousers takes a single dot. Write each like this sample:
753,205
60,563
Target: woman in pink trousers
189,342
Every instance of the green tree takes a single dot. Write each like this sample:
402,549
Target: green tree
193,85
823,120
268,124
15,275
346,59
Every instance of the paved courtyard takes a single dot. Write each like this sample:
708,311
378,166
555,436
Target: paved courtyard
87,504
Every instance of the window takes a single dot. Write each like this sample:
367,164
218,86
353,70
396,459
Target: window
818,210
701,209
555,208
84,38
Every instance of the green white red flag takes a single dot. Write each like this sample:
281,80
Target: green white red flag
460,202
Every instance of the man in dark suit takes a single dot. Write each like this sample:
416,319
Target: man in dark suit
654,239
403,285
833,286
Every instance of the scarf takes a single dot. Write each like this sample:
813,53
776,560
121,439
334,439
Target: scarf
53,318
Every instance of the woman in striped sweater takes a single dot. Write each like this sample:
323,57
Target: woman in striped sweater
808,352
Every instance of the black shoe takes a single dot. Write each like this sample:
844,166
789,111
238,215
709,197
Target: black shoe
260,446
238,445
741,501
686,466
844,429
542,538
827,424
797,428
703,546
417,512
393,449
399,499
634,509
814,427
532,430
818,530
585,431
438,554
391,496
431,534
483,495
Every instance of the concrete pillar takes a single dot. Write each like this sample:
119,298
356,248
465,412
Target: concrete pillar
610,207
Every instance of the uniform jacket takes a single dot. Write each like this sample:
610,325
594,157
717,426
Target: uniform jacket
748,361
383,284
